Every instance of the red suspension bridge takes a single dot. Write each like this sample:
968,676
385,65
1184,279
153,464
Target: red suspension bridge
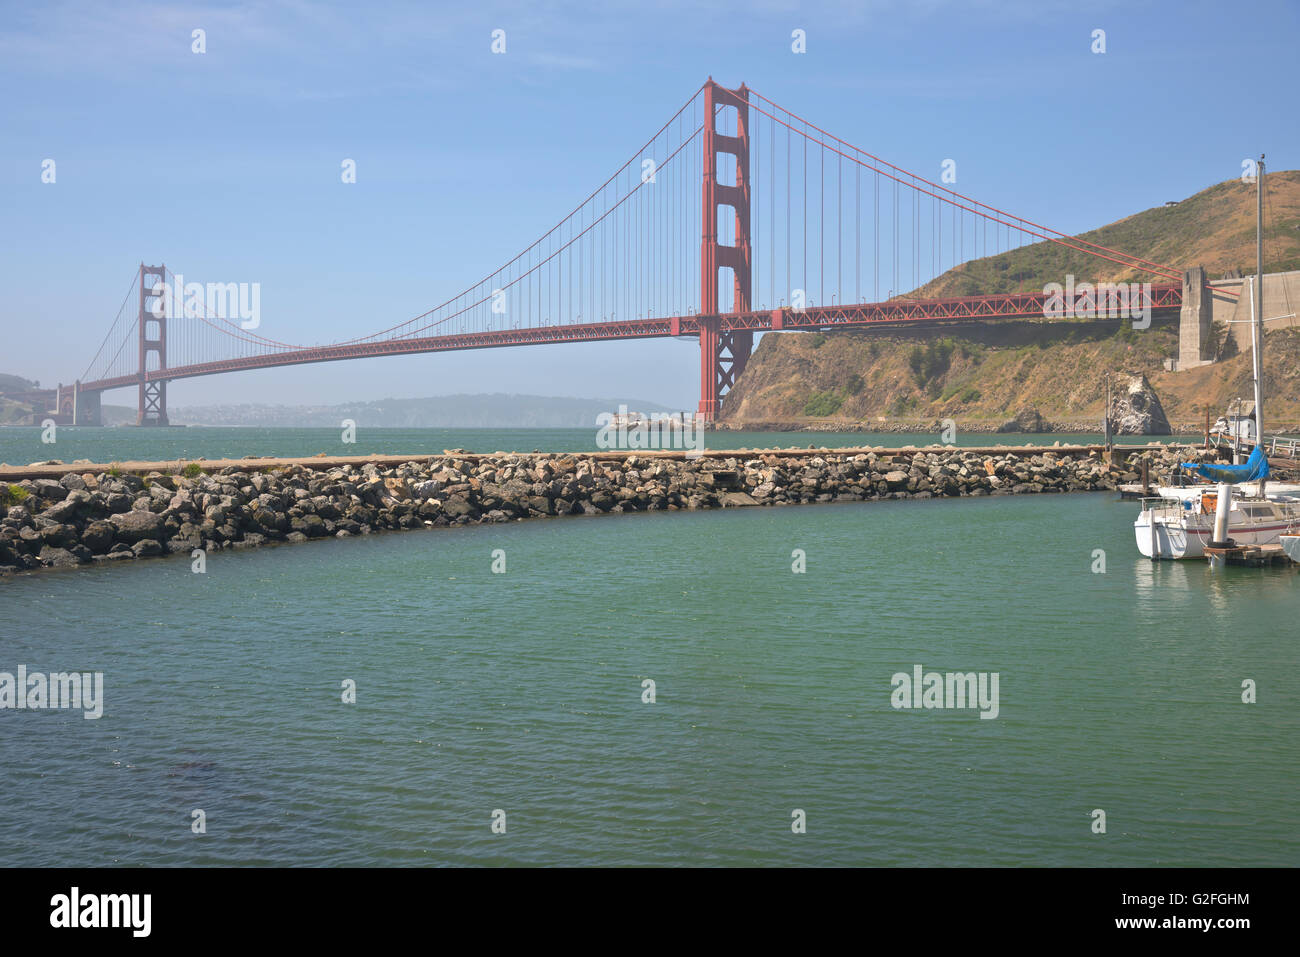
795,230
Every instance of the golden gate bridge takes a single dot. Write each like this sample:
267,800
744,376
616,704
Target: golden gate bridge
737,216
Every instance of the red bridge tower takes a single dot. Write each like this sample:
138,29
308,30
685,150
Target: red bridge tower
723,353
152,409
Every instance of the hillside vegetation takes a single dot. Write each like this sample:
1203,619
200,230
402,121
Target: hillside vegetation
988,375
983,375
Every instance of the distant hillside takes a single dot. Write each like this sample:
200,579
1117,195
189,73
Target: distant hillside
494,411
117,414
983,375
13,412
1214,228
16,383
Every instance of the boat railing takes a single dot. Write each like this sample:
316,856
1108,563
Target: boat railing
1286,445
1162,505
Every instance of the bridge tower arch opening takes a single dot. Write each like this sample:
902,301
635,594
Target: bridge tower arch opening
724,352
152,406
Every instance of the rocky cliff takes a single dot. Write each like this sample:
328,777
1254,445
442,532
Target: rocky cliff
984,377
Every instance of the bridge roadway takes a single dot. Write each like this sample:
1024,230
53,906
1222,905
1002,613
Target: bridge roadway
1031,305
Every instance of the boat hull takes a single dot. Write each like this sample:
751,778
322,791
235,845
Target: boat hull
1186,540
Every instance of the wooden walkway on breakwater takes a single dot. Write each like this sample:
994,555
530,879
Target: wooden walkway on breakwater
322,463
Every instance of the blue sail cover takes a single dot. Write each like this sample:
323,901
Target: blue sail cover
1253,469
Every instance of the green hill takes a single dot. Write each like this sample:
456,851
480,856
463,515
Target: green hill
982,375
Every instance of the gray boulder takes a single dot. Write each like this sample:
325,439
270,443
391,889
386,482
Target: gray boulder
98,537
137,525
1135,409
1026,420
58,557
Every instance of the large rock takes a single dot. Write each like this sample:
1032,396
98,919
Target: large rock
459,505
98,537
1135,409
1026,420
61,511
50,490
897,479
60,536
58,557
137,525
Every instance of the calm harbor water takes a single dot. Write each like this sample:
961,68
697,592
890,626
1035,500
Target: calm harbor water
22,446
522,691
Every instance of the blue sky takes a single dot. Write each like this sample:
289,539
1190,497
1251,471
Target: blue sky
226,165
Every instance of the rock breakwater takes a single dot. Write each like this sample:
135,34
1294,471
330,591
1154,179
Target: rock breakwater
88,517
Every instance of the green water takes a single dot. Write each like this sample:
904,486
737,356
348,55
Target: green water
522,691
22,446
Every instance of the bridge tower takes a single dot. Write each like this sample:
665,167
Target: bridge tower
723,353
152,408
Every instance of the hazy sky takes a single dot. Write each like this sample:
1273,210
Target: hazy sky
226,165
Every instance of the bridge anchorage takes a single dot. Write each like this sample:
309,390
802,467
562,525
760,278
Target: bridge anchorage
796,230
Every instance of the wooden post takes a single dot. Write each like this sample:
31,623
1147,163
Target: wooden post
1106,420
1146,476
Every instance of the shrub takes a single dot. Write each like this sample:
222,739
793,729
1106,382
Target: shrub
856,384
193,470
816,340
13,495
916,361
900,405
932,361
822,404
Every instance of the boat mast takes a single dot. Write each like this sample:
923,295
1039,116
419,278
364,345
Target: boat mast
1257,326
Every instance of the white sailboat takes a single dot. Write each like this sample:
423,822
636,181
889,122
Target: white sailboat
1183,527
